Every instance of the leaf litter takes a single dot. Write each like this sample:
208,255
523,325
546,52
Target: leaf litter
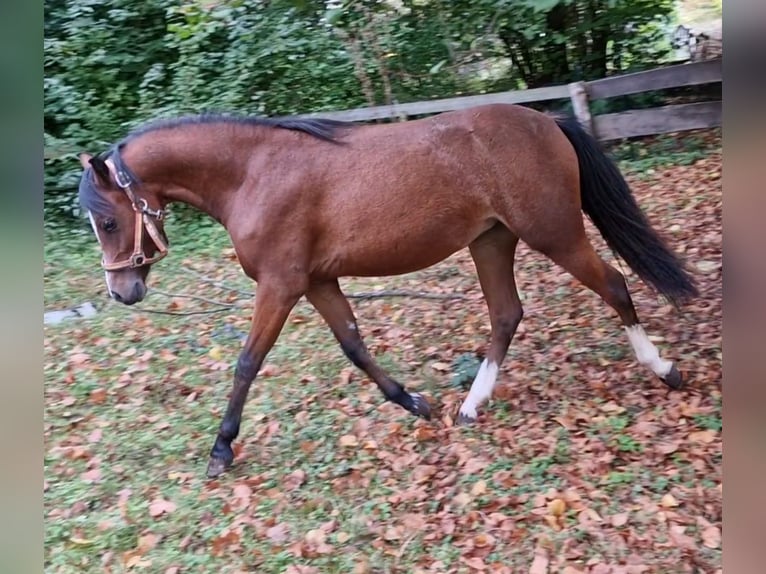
582,462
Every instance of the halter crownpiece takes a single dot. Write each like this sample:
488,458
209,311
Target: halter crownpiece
144,216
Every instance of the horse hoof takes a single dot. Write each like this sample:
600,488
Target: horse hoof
420,406
673,379
464,420
216,467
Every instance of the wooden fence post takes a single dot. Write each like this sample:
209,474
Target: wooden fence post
578,93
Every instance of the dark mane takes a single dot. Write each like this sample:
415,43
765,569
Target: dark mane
91,200
323,129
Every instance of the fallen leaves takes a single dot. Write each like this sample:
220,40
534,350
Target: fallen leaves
348,440
160,506
704,436
711,537
557,507
540,562
668,501
619,519
325,468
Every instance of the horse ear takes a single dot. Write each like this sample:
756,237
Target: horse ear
85,160
100,167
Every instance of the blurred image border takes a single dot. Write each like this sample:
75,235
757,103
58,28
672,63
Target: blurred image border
744,177
21,243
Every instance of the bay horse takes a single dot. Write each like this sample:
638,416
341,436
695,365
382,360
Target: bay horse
307,201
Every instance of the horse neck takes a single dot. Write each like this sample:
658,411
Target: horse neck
200,165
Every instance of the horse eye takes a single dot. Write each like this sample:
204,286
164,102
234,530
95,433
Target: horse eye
109,225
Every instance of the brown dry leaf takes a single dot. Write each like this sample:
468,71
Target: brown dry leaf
588,515
342,537
315,536
679,538
278,534
135,561
462,499
475,563
479,488
667,447
552,521
268,370
565,422
540,563
98,396
295,479
423,473
160,506
79,358
442,367
483,540
92,475
557,507
668,501
222,545
703,436
392,533
348,440
711,537
620,519
413,521
242,492
424,433
146,542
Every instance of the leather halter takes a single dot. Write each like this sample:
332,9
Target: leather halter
144,217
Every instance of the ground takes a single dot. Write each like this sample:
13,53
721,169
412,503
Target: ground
582,462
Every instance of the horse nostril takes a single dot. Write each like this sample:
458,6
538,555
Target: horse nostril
138,292
116,296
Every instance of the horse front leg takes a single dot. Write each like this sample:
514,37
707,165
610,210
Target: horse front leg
328,299
273,304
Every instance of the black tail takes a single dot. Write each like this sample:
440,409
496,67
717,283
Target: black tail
607,200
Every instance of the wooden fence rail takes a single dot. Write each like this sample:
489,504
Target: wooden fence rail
605,126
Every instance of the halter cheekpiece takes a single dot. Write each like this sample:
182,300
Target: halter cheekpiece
145,219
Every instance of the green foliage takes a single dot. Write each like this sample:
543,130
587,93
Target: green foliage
709,422
464,369
642,156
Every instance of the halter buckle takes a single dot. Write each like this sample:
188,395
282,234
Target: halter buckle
143,207
122,179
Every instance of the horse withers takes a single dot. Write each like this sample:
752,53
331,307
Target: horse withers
307,201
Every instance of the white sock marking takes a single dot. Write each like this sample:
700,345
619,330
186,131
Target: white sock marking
481,389
646,353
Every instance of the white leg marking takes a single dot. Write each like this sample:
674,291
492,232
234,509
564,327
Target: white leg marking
481,389
646,353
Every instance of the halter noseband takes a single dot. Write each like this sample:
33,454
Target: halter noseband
145,217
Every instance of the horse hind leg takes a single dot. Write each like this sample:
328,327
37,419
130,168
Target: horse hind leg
582,261
493,254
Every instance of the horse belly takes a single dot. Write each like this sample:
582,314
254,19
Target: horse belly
403,246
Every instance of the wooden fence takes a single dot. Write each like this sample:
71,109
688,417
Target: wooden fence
631,123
